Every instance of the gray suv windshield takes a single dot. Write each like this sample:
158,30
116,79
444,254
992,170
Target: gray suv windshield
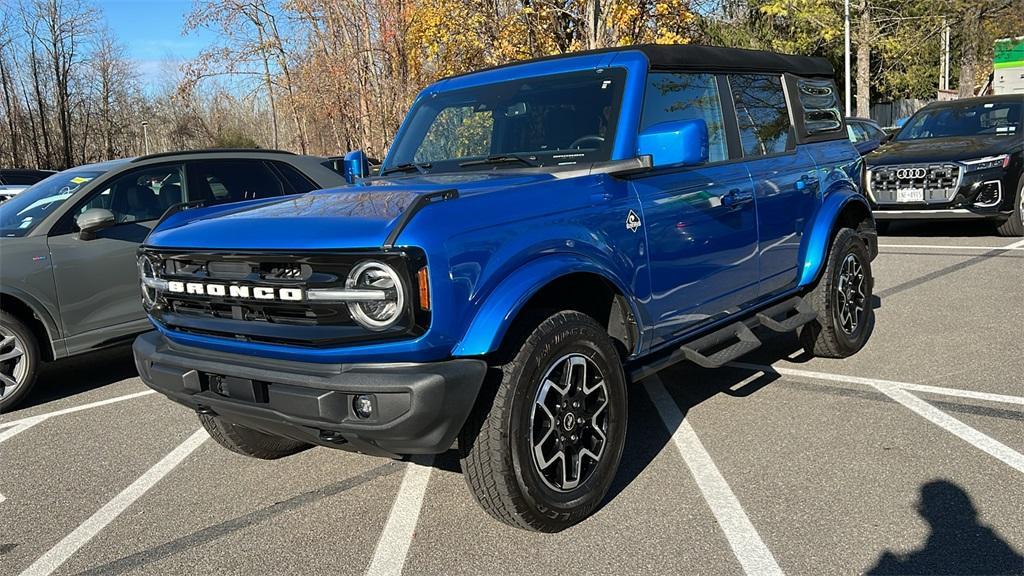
19,215
555,120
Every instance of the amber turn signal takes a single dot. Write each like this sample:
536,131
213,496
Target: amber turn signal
424,284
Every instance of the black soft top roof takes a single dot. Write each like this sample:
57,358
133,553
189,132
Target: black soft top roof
710,58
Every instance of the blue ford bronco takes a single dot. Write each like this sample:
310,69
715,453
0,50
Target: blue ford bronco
539,235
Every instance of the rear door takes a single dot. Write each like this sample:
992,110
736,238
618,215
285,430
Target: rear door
702,250
785,177
97,280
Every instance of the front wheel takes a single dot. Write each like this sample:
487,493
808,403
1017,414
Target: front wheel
543,454
842,299
1014,225
19,360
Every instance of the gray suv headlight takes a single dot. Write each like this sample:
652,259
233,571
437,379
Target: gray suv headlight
383,311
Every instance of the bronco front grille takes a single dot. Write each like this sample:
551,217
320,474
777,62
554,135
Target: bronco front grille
938,181
298,323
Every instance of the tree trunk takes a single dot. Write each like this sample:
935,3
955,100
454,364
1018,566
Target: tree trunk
10,104
969,57
864,61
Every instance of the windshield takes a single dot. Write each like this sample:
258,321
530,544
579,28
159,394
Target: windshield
19,215
966,119
553,120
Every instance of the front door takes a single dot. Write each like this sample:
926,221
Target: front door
98,280
700,221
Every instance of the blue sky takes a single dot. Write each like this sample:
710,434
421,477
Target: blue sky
150,30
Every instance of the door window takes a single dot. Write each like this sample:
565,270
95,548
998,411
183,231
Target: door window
232,180
139,195
761,113
856,132
672,96
299,183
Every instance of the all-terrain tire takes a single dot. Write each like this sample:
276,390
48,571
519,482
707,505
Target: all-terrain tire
1014,225
249,442
832,335
498,443
19,360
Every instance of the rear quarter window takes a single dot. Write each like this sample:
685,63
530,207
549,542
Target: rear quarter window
820,104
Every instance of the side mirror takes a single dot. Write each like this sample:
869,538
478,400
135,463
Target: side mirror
683,142
355,166
92,221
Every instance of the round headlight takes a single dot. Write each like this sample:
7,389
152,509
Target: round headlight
148,282
382,313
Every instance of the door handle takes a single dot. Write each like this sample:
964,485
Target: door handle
735,198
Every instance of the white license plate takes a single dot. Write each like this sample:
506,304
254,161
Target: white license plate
910,195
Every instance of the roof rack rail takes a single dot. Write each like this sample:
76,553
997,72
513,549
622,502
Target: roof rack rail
211,151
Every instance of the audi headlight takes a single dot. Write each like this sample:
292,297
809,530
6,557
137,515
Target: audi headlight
1001,161
380,281
150,282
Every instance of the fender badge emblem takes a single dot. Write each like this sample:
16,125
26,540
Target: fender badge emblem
632,221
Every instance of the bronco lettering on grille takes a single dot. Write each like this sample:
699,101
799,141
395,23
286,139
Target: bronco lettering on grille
244,292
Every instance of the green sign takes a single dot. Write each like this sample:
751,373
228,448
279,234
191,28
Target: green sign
1008,53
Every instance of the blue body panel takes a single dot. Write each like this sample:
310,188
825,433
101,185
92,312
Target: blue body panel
713,240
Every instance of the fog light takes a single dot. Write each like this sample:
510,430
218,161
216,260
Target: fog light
363,405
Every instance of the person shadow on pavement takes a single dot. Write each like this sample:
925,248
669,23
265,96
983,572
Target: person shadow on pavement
958,543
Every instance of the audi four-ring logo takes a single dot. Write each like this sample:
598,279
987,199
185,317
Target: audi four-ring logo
911,173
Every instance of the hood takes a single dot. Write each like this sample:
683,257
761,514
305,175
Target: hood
941,149
358,216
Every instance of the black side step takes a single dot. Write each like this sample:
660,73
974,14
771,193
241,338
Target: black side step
801,310
745,342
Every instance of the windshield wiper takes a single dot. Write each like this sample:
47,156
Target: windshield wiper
501,159
421,167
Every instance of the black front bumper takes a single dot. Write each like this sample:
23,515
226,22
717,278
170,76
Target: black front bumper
417,408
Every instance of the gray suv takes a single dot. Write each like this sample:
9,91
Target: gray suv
68,272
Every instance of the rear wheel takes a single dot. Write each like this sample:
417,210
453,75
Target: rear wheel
842,300
19,360
1014,225
249,442
543,454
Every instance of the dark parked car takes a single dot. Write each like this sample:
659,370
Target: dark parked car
951,161
14,180
865,134
69,281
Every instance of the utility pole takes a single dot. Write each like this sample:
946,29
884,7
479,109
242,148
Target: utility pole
846,56
945,55
145,135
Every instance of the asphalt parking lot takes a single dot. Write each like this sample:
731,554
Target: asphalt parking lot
907,458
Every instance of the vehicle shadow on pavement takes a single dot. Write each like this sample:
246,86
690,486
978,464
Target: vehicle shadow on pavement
932,229
72,376
958,542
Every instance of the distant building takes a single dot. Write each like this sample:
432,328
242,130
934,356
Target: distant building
1008,66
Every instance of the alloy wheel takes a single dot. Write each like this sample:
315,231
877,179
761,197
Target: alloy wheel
13,364
569,422
850,296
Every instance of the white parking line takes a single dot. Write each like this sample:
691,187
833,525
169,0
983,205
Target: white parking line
898,391
3,498
981,441
85,532
393,546
746,543
874,382
39,417
1015,246
19,428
